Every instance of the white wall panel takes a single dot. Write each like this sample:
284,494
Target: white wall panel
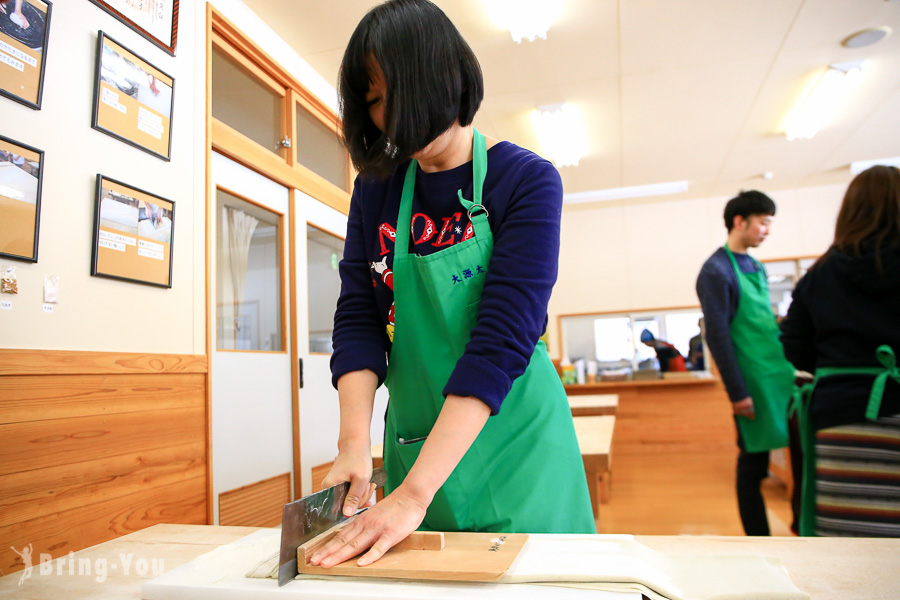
648,255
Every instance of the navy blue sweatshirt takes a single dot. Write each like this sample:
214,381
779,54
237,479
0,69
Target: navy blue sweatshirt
841,311
523,196
720,293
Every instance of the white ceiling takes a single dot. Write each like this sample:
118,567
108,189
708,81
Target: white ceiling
670,90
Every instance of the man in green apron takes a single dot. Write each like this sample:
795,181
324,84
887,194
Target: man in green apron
743,338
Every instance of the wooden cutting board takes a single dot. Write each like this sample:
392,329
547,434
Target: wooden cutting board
464,557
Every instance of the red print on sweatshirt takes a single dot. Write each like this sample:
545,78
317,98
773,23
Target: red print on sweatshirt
422,231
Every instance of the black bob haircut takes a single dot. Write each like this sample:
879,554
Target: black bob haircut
432,76
746,204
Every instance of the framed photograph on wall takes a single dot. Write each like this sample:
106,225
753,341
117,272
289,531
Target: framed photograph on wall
133,100
21,173
24,32
156,20
133,234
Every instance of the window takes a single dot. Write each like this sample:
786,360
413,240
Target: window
248,275
247,103
263,114
613,341
783,276
320,149
323,252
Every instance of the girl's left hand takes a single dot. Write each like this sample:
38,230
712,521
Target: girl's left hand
378,529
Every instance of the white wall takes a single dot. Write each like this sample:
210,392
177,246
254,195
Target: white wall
95,313
645,255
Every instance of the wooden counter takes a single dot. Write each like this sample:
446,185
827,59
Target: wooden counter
610,387
826,568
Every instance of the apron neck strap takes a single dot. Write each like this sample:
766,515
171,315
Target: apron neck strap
731,257
734,261
475,208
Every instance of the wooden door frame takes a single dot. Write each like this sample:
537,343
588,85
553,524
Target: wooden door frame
284,170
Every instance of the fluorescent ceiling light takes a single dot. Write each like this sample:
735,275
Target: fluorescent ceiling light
635,191
560,129
525,19
861,165
822,100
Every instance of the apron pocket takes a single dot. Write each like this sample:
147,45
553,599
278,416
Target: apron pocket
449,509
407,450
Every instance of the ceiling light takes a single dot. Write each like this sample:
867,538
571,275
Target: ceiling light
866,37
822,100
560,129
861,165
525,19
635,191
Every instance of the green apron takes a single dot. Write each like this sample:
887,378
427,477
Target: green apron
760,356
524,471
801,402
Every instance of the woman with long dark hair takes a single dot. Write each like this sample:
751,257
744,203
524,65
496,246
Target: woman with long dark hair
451,254
844,326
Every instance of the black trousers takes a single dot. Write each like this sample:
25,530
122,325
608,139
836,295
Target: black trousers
752,468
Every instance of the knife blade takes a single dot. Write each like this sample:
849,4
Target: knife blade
304,519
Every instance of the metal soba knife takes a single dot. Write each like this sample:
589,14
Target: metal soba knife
304,519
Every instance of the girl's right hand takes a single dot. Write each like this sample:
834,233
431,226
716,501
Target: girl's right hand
355,467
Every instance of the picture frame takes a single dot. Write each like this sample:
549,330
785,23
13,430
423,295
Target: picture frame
134,234
156,20
21,177
133,100
24,35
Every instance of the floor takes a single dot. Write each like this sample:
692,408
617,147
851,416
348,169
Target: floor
655,494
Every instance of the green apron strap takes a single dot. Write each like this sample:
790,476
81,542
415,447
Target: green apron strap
475,208
800,404
886,357
737,269
401,243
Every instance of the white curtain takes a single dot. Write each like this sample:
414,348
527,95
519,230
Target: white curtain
239,230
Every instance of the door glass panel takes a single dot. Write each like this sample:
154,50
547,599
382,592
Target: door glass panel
234,91
323,252
248,275
320,149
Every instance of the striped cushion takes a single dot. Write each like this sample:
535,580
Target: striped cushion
858,479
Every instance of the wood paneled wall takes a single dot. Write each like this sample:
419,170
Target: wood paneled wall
259,504
95,445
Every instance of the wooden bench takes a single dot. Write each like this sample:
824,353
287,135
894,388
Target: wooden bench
595,442
594,405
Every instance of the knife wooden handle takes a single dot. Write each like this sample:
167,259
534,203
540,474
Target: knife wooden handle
378,477
417,540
